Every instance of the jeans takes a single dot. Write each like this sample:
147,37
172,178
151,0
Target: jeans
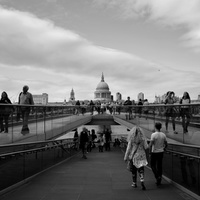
156,164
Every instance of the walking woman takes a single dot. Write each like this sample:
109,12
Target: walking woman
5,111
170,110
135,153
185,111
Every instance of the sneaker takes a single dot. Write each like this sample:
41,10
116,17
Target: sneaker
134,185
175,132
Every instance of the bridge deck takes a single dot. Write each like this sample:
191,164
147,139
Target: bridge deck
103,176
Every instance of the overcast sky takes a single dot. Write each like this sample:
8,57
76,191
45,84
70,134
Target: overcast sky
148,46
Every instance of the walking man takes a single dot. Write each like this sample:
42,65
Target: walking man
157,146
25,98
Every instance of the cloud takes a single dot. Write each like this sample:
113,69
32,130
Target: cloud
54,60
182,14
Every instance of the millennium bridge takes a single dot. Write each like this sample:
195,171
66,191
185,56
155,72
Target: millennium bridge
46,163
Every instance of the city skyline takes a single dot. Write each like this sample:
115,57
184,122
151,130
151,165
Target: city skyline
147,46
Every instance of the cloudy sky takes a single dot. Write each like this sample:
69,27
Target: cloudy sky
148,46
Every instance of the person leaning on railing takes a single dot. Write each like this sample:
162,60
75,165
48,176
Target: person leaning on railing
185,111
170,110
128,105
5,111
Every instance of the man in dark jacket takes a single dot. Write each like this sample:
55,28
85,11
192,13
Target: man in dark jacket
83,141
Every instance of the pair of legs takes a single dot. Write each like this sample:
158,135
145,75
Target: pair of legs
171,114
4,123
25,117
156,166
107,146
83,149
185,115
100,148
141,175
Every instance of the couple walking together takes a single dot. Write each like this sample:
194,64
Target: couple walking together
136,155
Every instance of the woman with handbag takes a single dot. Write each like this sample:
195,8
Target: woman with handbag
5,111
136,155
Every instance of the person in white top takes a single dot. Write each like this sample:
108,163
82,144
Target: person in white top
157,146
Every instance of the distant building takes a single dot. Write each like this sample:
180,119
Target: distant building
141,96
72,100
102,92
41,99
72,95
118,96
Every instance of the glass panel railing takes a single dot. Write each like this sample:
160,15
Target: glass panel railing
183,125
43,122
22,161
183,168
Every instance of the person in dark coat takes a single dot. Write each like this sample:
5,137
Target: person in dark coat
5,111
108,139
83,141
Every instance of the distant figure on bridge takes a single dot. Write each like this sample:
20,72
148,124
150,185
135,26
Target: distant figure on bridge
170,110
157,146
108,139
92,107
145,108
94,136
101,141
25,98
119,107
76,139
185,111
140,108
128,105
5,111
83,142
135,152
77,107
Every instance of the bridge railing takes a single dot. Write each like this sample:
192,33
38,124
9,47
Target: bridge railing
183,125
19,162
44,122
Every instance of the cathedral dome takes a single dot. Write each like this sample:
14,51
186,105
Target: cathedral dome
102,85
102,92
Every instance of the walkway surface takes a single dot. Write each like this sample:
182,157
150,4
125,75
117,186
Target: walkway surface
103,176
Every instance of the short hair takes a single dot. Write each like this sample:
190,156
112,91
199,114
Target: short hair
158,125
26,86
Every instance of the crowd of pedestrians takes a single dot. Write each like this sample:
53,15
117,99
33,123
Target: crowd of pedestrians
132,109
87,140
